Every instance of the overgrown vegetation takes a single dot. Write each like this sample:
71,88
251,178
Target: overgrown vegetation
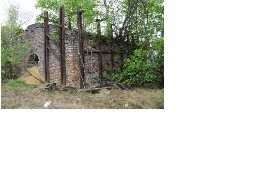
138,26
12,45
144,67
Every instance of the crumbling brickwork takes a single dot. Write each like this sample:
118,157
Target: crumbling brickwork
34,35
72,60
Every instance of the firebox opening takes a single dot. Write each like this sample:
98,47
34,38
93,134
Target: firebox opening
33,60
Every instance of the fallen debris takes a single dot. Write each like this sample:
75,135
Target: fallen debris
48,87
111,83
33,77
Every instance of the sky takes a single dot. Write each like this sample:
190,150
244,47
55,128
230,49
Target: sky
27,11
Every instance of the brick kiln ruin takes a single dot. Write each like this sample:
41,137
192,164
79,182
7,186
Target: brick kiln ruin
96,62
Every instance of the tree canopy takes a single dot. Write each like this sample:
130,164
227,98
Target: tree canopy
71,6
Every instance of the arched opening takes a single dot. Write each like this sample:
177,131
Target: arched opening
33,60
31,73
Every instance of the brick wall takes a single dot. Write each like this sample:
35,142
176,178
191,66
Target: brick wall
35,36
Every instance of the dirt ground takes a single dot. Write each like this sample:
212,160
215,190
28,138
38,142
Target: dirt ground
21,96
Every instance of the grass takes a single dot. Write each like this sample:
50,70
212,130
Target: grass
18,84
17,94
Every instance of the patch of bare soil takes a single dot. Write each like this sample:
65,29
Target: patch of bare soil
34,98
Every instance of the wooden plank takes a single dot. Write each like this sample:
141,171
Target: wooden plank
62,46
46,47
81,48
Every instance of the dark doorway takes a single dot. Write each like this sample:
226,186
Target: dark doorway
33,60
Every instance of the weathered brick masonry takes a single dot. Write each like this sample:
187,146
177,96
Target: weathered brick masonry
34,35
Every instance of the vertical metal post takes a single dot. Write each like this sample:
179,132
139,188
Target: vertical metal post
112,47
99,48
46,46
81,48
62,46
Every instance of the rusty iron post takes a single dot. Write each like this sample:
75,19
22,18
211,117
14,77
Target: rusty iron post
81,48
99,48
46,46
112,48
62,46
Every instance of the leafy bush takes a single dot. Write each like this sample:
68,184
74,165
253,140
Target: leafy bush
144,67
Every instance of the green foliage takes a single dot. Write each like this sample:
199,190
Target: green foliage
71,6
12,45
144,19
144,67
142,27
